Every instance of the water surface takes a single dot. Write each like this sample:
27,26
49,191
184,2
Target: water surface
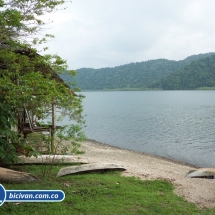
173,124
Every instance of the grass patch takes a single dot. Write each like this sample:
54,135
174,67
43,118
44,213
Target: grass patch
101,193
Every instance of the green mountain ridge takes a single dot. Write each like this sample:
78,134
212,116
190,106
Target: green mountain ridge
139,75
198,74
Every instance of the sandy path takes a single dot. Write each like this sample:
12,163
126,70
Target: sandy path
198,191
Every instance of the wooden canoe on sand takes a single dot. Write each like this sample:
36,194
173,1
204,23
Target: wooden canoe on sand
51,159
202,173
89,168
11,176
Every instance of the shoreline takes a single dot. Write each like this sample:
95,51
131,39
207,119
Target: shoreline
145,154
150,167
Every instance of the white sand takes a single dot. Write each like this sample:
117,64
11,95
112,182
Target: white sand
196,190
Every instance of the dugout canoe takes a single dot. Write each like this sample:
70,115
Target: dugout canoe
52,159
201,173
11,176
89,168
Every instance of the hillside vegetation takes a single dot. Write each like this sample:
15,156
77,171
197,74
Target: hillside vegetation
198,74
142,75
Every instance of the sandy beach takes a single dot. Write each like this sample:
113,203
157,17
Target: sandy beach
144,166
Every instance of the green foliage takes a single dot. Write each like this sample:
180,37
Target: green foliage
28,79
136,76
24,83
199,74
102,193
68,138
7,150
21,19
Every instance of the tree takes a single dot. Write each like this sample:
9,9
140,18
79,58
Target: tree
29,79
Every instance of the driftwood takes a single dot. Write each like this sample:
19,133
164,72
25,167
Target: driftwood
51,159
89,168
201,173
11,176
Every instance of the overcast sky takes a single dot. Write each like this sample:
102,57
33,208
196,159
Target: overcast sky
109,33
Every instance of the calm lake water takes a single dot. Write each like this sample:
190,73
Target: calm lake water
174,124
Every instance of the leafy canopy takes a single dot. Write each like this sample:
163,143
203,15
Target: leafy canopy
27,78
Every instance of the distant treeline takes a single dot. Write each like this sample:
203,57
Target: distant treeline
196,71
198,74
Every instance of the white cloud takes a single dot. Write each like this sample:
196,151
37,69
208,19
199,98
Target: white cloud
109,33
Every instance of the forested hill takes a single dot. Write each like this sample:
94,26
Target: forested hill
198,74
133,75
138,75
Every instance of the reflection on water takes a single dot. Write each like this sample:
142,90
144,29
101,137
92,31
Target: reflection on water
173,124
